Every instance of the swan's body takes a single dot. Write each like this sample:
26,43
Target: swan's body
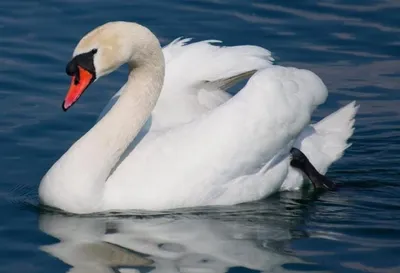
222,152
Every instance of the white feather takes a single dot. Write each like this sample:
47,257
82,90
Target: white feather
200,146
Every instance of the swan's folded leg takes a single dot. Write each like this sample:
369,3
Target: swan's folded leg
301,162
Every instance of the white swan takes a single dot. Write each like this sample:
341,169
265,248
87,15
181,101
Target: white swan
236,152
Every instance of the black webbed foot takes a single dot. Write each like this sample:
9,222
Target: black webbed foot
301,162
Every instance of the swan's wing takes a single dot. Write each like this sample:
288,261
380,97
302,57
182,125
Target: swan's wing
206,66
205,62
196,77
235,153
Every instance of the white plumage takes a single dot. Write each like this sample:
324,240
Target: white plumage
199,146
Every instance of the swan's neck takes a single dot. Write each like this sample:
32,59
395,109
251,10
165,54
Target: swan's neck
76,181
110,137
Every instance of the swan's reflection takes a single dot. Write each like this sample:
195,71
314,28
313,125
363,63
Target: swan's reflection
252,238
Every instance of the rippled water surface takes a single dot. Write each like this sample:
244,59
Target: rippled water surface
353,45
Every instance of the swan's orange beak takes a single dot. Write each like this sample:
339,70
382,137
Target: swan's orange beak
79,84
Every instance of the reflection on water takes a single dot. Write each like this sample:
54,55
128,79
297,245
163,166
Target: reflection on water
247,236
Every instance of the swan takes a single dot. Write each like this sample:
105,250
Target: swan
252,145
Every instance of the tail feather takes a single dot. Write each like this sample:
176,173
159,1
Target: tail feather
326,141
336,129
323,143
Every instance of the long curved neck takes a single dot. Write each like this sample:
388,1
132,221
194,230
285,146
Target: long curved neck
108,139
82,171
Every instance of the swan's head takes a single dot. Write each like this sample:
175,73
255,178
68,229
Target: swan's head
103,50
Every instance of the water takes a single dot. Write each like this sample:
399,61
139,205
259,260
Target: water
352,45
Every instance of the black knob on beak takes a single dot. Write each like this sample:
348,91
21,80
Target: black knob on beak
72,68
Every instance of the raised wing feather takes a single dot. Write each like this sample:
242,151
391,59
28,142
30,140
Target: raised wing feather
197,75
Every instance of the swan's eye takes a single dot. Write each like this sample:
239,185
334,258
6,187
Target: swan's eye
94,51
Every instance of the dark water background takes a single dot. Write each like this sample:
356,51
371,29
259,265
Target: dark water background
353,45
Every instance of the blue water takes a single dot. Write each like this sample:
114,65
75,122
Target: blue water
353,45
